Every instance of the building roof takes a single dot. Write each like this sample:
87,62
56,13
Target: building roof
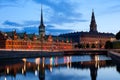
96,34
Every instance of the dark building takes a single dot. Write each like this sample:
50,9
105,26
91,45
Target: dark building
90,39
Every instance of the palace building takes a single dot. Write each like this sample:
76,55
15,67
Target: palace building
13,40
91,39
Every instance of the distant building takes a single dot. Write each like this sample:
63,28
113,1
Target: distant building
91,39
14,40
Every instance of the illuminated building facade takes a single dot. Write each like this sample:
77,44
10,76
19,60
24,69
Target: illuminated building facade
91,39
14,40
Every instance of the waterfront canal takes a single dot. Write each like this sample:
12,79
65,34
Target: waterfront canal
72,67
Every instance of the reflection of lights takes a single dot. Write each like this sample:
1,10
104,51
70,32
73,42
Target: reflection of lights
70,61
65,60
51,60
24,59
38,67
51,68
24,67
56,61
51,63
43,62
97,61
29,64
22,71
96,58
7,70
36,72
5,78
37,60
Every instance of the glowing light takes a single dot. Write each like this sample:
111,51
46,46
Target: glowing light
38,67
51,60
7,70
51,68
43,63
5,78
36,72
37,60
24,59
22,71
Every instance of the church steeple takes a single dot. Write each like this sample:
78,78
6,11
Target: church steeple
93,25
41,17
42,26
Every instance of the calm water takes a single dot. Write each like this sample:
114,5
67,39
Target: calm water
80,67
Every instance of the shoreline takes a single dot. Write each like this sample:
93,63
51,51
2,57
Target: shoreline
12,54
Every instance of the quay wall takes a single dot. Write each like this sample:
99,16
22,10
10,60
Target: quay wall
27,54
115,55
8,54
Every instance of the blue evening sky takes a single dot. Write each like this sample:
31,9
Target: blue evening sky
60,16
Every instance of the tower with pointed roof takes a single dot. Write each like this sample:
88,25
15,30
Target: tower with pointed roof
41,26
93,25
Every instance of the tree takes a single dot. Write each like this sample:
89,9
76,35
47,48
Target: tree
87,46
93,46
118,35
108,45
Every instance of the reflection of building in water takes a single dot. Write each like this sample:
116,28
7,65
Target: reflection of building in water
51,63
93,72
40,66
42,69
94,68
67,61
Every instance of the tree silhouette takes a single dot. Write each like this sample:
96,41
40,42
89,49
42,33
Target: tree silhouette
118,35
93,45
87,46
108,45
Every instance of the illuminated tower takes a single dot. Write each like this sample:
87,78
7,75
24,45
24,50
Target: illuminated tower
93,25
41,26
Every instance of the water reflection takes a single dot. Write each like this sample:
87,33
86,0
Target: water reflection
38,66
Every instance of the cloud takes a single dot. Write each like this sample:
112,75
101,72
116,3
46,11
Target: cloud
12,3
62,14
57,31
32,27
10,23
31,22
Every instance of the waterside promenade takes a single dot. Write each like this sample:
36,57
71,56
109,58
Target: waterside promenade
18,53
115,55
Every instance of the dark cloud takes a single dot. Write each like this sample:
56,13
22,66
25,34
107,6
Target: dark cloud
58,31
50,26
28,23
63,12
10,23
24,24
32,29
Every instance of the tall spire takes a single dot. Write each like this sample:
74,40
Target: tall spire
93,25
41,16
41,26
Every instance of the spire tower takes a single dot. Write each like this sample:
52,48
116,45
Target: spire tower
93,25
41,26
